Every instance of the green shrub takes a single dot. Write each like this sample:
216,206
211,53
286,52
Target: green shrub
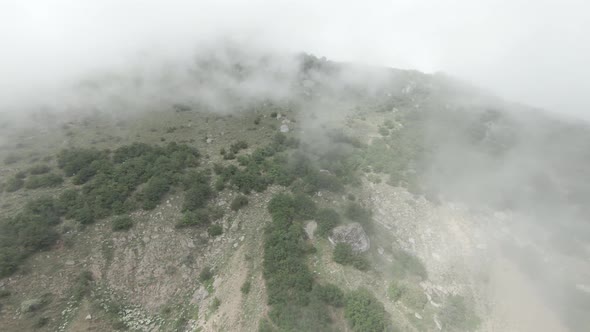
245,289
364,312
43,181
239,202
239,145
122,223
71,161
39,169
215,230
326,219
154,191
215,304
344,255
356,212
14,184
330,294
197,197
304,206
383,131
194,218
4,293
206,274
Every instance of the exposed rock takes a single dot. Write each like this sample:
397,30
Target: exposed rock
352,234
88,317
209,140
70,263
310,228
284,128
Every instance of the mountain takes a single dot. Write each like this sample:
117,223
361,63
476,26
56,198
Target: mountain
240,191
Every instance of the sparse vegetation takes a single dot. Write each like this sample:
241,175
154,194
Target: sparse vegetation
206,274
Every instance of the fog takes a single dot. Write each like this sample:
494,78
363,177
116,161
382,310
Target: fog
525,51
493,154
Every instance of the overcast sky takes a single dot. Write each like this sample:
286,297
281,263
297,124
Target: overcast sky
531,51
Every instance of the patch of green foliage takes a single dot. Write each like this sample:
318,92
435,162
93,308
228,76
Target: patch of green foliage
239,202
29,231
206,274
122,223
356,212
326,219
154,191
344,255
197,217
215,230
330,294
364,312
215,304
39,169
43,181
13,184
245,289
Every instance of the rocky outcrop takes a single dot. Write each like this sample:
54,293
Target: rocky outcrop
352,234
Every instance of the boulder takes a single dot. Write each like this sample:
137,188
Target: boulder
352,234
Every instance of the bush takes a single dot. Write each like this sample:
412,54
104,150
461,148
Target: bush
197,197
71,161
330,294
4,293
356,212
239,202
344,255
43,181
304,206
326,219
122,223
14,184
364,312
245,289
215,230
239,145
215,304
154,190
39,169
206,274
194,218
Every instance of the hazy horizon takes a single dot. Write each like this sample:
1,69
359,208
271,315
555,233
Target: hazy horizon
524,51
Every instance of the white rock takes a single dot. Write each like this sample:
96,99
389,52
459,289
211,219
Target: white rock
88,317
284,128
209,140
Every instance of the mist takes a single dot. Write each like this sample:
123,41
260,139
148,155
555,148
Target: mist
525,51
